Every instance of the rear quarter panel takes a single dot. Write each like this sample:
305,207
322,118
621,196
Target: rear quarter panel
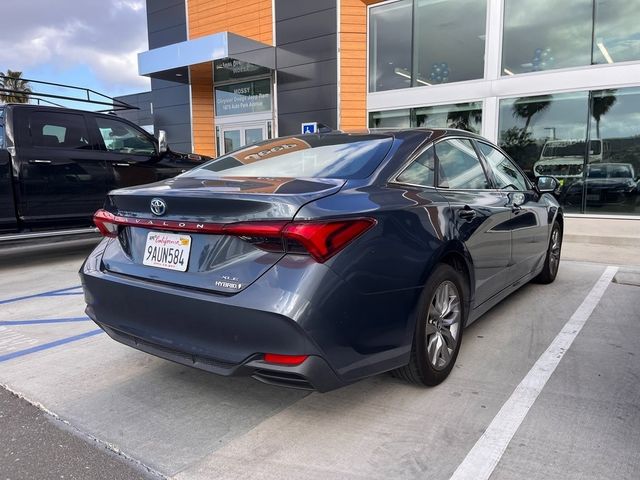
387,267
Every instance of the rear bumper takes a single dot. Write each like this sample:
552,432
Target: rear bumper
203,330
313,374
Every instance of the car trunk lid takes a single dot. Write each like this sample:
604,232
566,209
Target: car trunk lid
208,215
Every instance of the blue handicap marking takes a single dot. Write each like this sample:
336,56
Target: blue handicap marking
311,127
76,290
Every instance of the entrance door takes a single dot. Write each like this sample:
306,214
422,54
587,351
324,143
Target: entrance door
236,136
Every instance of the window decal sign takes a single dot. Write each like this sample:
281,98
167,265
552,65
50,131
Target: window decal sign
243,98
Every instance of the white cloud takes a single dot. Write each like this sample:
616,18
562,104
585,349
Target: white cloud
103,35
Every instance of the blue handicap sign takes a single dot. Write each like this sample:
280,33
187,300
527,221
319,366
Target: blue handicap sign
311,127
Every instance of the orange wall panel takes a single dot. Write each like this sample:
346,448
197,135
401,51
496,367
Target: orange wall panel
202,111
249,18
353,64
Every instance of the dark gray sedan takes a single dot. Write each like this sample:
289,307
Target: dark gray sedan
314,261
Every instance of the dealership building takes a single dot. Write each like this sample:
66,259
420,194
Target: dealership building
556,84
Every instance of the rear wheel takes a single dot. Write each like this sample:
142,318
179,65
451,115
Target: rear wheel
552,260
439,328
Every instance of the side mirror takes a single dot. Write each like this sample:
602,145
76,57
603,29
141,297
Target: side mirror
163,146
547,184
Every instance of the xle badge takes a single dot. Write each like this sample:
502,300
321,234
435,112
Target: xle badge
229,282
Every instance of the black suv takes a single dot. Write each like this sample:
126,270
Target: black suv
57,164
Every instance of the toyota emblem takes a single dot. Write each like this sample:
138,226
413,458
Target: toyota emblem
158,207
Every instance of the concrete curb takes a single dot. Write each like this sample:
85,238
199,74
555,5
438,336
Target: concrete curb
621,241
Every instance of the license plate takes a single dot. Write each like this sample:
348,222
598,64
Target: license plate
167,250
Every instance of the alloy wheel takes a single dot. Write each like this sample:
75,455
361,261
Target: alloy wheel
443,325
554,254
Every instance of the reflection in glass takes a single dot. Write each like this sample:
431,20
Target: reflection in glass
390,119
459,167
616,33
612,183
546,135
464,116
253,135
505,173
390,46
449,46
421,171
231,140
546,34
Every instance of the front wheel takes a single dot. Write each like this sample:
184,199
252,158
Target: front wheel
439,326
552,260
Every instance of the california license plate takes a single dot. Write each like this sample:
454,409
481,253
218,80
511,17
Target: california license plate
167,250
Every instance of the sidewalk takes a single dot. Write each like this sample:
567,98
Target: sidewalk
602,240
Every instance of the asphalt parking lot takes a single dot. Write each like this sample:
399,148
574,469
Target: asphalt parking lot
546,386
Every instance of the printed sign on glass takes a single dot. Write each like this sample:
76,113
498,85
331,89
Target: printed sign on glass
242,98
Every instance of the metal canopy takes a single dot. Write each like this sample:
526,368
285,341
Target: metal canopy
161,62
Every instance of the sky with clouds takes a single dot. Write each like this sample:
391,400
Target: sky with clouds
88,43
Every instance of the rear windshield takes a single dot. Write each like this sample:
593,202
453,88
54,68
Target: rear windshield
332,156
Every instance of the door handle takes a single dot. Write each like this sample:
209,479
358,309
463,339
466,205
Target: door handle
40,161
467,213
121,164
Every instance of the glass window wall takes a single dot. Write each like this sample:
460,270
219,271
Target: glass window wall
546,34
390,46
589,141
613,172
465,116
390,119
616,34
448,45
543,35
415,43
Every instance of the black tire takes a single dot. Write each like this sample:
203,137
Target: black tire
552,260
421,369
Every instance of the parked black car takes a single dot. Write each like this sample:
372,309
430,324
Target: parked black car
607,185
317,260
57,164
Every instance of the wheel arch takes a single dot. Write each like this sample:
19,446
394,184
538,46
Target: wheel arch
458,257
455,254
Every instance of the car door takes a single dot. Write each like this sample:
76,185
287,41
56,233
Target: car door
529,224
62,179
130,152
479,213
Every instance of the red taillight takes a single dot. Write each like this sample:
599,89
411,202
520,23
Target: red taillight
320,239
290,360
324,239
106,223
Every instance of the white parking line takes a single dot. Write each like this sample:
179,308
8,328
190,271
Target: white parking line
483,458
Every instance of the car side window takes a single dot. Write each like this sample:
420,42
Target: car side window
421,171
459,167
58,130
120,137
506,174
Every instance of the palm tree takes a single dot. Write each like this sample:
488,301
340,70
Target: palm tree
524,108
602,103
464,119
13,89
